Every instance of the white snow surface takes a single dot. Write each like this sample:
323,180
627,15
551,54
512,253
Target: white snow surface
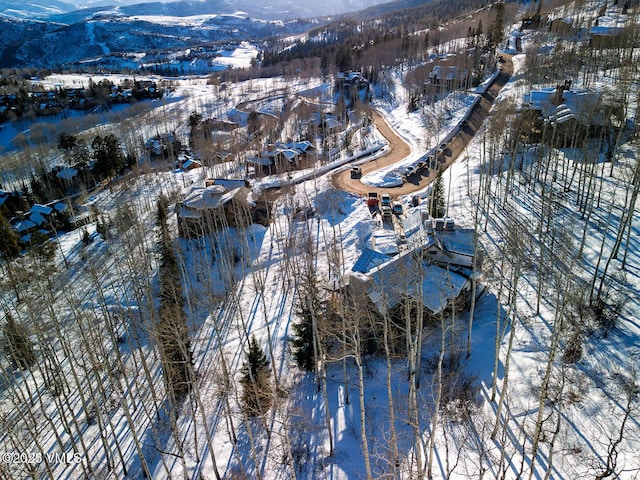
259,294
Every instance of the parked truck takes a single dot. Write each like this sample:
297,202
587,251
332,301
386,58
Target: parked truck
386,213
372,199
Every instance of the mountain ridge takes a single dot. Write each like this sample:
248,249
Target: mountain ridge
65,12
67,38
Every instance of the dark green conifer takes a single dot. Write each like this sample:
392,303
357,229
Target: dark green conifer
257,395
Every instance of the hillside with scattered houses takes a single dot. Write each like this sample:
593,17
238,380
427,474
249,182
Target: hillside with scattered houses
387,247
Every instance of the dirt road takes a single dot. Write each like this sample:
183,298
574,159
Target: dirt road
399,148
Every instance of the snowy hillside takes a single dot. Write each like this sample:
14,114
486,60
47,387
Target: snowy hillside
16,31
268,10
83,35
236,300
33,8
106,40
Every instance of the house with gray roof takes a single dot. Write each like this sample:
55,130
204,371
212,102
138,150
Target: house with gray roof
218,205
557,114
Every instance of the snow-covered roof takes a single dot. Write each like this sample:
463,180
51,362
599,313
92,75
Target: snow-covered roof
567,20
437,288
238,116
190,162
67,173
41,209
575,103
154,145
414,220
584,100
302,146
332,123
38,218
562,115
368,260
24,225
447,72
459,240
159,142
605,30
453,247
408,276
190,213
206,198
124,93
384,241
228,183
201,199
290,154
259,161
537,99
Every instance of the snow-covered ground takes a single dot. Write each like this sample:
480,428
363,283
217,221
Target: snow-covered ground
229,301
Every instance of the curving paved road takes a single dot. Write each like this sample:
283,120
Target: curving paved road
400,149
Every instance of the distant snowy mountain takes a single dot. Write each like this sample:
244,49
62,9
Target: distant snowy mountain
73,10
266,9
70,36
16,31
34,8
107,39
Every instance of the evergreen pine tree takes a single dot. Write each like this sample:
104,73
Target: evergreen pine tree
256,381
307,306
9,247
194,119
67,143
302,342
496,33
17,345
436,199
107,155
41,264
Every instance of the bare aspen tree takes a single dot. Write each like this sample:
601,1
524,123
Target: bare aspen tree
559,400
631,390
474,275
546,379
435,419
395,453
516,255
361,391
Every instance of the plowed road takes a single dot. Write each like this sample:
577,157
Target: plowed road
400,150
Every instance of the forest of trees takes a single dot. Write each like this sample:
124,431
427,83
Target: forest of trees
149,355
401,39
